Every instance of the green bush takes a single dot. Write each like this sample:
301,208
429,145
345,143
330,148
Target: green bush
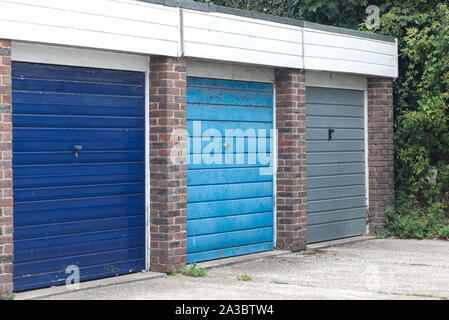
444,233
193,271
410,220
421,121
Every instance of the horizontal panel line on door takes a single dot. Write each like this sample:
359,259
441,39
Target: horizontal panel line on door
336,116
81,232
224,200
44,224
230,183
266,92
228,215
339,221
74,184
333,164
83,197
60,264
339,128
339,209
321,152
333,103
63,87
81,94
24,256
40,79
68,151
223,232
96,115
55,229
76,161
81,165
227,104
36,115
80,266
34,191
344,186
237,246
73,240
335,174
336,216
58,72
233,85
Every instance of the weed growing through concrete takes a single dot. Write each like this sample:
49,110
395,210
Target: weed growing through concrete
172,271
420,295
279,282
11,296
244,277
193,271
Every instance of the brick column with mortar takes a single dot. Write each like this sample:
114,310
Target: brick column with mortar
291,176
380,149
6,201
168,169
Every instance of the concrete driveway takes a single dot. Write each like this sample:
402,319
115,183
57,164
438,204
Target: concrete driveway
369,269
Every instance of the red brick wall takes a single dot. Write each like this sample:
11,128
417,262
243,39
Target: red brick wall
168,169
6,201
291,176
380,149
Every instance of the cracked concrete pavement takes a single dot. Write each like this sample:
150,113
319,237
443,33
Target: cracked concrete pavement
370,269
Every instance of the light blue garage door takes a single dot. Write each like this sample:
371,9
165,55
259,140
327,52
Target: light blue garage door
336,202
78,173
230,182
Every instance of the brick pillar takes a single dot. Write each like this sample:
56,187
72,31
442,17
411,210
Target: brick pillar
168,169
291,176
380,148
6,209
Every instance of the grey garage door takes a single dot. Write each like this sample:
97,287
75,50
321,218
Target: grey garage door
336,202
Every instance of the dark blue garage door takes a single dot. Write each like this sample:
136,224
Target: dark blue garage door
78,173
230,182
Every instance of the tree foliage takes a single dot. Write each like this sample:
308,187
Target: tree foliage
347,13
421,99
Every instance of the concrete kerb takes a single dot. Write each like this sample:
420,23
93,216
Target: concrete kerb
93,284
327,244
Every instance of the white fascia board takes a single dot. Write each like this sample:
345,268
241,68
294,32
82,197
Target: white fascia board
138,27
39,53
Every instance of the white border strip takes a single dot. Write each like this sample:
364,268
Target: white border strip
275,167
326,79
147,170
228,71
38,53
365,109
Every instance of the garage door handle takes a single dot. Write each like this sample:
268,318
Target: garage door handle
77,149
330,132
225,145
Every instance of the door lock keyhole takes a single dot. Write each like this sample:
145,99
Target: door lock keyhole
330,132
77,149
